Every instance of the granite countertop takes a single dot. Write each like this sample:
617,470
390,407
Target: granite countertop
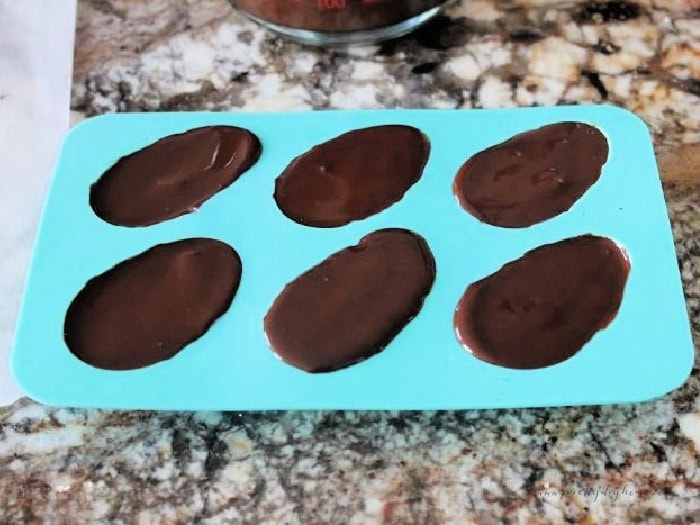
615,464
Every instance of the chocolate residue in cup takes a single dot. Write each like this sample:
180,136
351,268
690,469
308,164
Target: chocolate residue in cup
336,15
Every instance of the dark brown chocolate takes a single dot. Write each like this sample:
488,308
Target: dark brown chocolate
533,176
173,176
353,304
336,15
353,176
544,307
148,308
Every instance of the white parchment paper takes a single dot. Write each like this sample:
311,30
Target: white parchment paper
36,55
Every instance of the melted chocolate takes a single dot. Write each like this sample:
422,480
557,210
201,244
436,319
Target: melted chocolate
173,176
351,306
353,176
543,308
533,176
336,15
148,308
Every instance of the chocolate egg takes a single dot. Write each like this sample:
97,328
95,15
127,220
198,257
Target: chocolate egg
350,306
353,176
173,176
544,307
148,308
533,176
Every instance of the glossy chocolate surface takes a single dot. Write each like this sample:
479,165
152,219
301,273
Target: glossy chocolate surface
353,176
350,306
533,176
544,307
148,308
173,176
336,15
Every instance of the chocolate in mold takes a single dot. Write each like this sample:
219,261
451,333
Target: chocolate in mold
173,176
544,307
148,308
353,176
352,305
532,177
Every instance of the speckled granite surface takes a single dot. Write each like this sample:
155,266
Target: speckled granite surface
637,463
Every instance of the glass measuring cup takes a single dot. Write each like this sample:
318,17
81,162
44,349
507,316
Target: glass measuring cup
337,22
